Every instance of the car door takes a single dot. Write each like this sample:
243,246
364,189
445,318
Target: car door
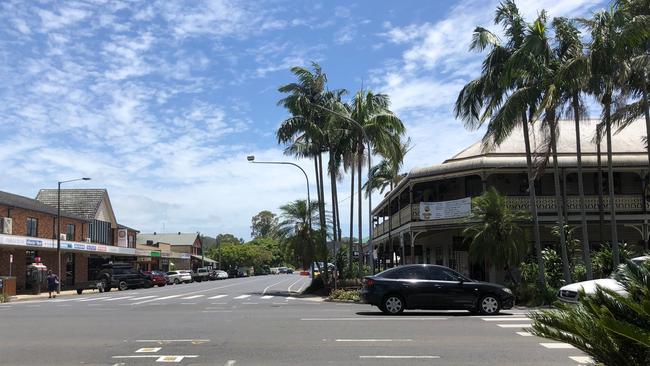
460,292
416,287
439,288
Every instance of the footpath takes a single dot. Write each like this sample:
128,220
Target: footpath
45,295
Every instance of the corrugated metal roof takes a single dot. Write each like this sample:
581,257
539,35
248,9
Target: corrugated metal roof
168,238
27,203
80,202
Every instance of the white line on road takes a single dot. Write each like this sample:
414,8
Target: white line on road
267,297
171,340
142,298
242,297
192,297
216,311
289,289
291,298
303,285
374,340
500,319
92,299
583,360
277,283
118,298
230,363
528,325
156,299
155,356
402,357
556,345
217,297
524,334
250,303
148,350
371,318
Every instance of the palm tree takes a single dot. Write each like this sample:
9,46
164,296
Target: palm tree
573,74
489,98
613,329
606,64
305,131
494,232
386,173
294,229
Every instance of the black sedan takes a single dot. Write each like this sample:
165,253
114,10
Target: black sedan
425,286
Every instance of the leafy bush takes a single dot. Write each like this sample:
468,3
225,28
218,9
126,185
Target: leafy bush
613,329
579,273
347,295
602,259
4,298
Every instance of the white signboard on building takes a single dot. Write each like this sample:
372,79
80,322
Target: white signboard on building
122,239
445,209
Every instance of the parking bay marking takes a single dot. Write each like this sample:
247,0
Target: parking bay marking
528,325
583,360
556,345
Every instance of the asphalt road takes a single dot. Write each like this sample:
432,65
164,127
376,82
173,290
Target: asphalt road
257,321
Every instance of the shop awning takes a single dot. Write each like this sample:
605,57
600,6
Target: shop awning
206,259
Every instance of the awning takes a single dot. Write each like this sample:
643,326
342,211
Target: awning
205,259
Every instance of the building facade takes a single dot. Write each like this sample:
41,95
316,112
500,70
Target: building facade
422,218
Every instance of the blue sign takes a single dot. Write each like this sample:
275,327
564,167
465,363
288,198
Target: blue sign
80,246
34,243
91,247
66,245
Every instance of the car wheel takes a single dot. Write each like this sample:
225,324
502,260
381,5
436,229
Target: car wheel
123,286
176,281
393,305
489,305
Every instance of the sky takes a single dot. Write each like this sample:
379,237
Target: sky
160,102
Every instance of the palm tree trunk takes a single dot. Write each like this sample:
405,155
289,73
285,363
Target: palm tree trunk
533,203
601,205
581,191
323,227
610,185
338,213
318,189
359,194
351,242
334,213
558,201
646,113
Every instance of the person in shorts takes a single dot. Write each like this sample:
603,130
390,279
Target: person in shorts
52,283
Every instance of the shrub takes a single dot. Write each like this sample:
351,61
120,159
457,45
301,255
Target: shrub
4,298
348,295
602,259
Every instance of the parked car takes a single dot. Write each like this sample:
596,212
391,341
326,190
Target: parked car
201,274
122,276
221,275
569,293
177,277
426,286
157,278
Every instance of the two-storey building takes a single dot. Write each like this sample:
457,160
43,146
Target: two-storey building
422,218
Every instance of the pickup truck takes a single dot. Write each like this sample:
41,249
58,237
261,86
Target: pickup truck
201,274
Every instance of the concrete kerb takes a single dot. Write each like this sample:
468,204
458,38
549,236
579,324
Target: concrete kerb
45,295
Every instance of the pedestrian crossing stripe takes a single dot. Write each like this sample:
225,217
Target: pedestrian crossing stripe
242,297
217,297
192,297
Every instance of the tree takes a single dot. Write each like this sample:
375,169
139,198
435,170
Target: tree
228,239
294,232
271,245
263,224
612,328
499,99
386,173
494,232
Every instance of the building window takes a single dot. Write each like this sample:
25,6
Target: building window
131,244
69,232
32,226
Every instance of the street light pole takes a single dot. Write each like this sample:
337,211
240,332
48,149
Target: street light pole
251,158
58,226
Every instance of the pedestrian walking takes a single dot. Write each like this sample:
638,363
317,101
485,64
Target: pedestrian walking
52,283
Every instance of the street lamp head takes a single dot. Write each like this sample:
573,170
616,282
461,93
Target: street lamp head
250,158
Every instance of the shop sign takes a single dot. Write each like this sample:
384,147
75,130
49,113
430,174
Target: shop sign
165,255
67,246
144,259
80,246
445,209
34,243
155,254
113,249
91,247
101,248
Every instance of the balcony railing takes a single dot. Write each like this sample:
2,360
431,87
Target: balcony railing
545,205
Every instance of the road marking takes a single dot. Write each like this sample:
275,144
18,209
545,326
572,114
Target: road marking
556,345
370,318
192,297
402,357
216,311
218,303
33,306
289,289
92,299
217,297
505,319
188,303
171,340
291,298
62,305
118,298
156,299
303,285
374,340
156,356
524,334
277,283
242,297
267,297
583,360
528,325
250,303
148,350
142,298
230,363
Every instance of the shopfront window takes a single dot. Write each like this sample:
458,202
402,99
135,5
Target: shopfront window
32,226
